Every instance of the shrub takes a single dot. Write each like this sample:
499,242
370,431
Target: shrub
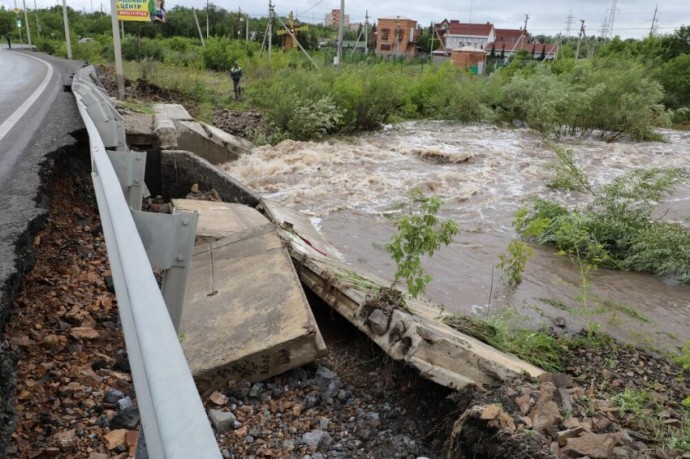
135,49
367,97
312,120
616,229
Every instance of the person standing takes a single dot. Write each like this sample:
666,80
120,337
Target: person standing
8,36
236,75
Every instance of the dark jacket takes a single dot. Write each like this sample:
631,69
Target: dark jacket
236,73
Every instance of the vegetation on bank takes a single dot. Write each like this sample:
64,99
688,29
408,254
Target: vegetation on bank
617,228
626,90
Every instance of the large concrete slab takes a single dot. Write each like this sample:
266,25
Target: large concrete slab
174,112
213,144
417,337
221,219
246,315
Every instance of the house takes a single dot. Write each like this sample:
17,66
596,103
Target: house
396,37
509,42
455,34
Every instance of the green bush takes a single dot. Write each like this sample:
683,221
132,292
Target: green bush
135,49
221,52
612,97
311,120
46,45
616,229
367,97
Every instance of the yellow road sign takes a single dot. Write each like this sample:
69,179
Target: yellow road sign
16,10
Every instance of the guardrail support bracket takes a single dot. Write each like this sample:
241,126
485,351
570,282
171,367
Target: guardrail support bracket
169,242
130,167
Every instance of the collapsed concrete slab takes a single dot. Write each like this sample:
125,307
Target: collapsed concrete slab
418,337
246,315
209,142
173,112
220,219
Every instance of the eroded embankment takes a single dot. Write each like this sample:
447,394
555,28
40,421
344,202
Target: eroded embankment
20,227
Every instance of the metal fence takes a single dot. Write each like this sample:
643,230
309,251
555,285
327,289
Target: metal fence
174,422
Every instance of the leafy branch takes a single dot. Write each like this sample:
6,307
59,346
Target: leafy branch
420,233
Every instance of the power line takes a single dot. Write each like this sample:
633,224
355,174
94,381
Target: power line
310,8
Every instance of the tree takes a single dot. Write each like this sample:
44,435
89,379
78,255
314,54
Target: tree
675,77
420,233
676,44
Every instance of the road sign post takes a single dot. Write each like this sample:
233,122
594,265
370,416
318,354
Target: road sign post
117,48
26,20
68,41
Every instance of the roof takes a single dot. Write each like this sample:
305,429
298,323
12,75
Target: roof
469,49
509,35
396,18
463,28
537,47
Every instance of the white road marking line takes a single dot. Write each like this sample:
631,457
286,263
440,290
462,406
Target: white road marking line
19,112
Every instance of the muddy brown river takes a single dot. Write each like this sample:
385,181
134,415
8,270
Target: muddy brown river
350,187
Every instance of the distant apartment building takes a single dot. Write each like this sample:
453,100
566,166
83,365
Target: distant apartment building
396,37
332,19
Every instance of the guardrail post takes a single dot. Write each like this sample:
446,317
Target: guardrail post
169,242
130,167
110,124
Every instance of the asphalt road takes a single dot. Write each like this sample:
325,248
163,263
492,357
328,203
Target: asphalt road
38,120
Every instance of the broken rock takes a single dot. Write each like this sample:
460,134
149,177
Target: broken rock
595,446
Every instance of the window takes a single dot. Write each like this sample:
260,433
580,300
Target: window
384,34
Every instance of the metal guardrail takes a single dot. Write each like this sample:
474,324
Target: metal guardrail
174,422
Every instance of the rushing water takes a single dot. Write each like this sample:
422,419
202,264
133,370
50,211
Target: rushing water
483,174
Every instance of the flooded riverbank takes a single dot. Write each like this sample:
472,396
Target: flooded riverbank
483,174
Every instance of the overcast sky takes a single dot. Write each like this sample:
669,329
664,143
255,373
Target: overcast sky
632,19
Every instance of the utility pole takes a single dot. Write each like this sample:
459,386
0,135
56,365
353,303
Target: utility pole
117,47
26,20
526,18
196,20
579,38
246,34
366,32
68,42
341,26
270,28
653,27
207,19
38,27
240,19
